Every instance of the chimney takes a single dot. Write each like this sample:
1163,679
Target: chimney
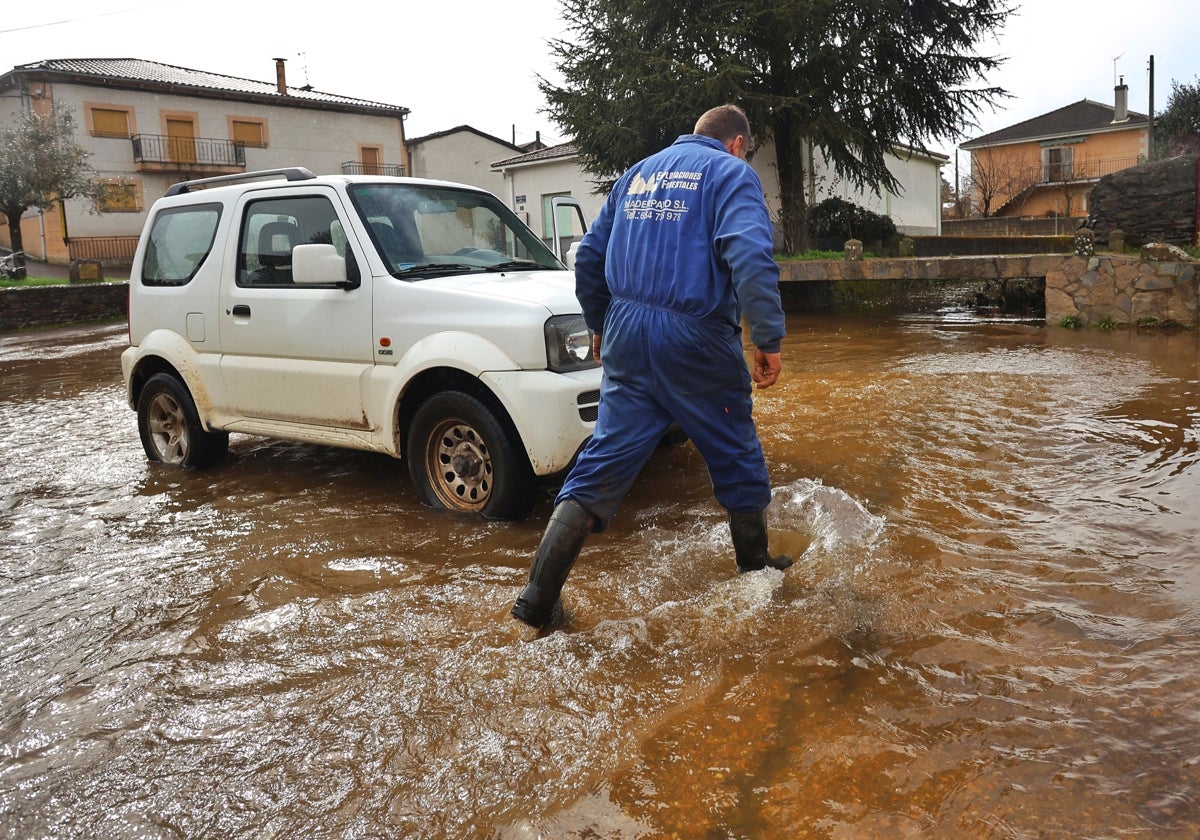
280,76
1121,110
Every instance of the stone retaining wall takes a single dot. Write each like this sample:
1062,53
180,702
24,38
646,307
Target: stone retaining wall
993,267
1123,290
42,306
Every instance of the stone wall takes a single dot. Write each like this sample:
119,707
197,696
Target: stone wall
1154,202
41,306
1123,290
1010,226
992,267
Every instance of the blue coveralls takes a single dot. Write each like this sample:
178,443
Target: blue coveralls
680,249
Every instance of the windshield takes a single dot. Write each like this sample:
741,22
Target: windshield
425,231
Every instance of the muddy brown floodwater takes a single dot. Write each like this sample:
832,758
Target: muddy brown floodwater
992,628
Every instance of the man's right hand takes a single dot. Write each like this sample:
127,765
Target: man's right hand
767,367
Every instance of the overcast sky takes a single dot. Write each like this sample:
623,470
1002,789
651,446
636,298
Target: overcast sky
473,62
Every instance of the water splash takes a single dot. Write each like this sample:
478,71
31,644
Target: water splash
836,523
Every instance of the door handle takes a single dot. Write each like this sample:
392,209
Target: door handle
240,311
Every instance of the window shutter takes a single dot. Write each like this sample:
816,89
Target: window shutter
249,134
107,122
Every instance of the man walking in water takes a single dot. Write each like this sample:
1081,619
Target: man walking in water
681,249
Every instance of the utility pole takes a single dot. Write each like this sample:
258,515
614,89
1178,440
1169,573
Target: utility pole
1150,122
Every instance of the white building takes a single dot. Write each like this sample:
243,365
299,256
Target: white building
462,154
916,208
532,180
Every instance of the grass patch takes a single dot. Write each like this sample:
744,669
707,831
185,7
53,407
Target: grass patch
7,283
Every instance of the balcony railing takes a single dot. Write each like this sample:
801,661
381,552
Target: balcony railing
358,167
187,151
1085,170
114,249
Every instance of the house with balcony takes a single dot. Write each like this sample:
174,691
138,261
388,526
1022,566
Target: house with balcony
1047,165
148,125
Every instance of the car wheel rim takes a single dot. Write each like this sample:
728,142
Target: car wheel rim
167,426
459,466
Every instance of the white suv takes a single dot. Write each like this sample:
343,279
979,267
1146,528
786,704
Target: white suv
418,318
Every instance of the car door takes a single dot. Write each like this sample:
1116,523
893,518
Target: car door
293,353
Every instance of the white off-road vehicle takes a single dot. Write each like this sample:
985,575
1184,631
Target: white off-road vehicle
417,318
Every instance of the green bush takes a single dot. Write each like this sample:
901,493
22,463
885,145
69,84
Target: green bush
838,217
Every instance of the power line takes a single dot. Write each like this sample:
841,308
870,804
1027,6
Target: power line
88,17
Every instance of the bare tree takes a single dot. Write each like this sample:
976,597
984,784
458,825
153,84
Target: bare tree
40,164
997,176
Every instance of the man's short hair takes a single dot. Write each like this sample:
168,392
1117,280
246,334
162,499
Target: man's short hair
724,123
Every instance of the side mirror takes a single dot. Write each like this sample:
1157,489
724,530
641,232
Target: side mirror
318,265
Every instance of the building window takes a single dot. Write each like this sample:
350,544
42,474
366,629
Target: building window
181,135
566,217
372,159
1058,164
119,197
109,121
248,131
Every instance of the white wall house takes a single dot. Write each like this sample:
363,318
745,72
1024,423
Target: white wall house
148,125
916,208
532,179
462,154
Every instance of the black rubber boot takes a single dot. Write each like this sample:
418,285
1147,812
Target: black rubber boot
749,532
566,532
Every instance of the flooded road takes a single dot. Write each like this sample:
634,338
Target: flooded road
992,628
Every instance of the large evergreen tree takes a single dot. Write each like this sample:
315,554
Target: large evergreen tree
1177,129
40,163
852,77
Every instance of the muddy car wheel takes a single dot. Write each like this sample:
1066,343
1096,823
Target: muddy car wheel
170,426
463,456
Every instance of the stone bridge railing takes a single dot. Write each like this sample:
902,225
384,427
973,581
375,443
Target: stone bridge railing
1101,287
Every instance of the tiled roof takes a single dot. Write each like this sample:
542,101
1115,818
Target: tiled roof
1082,117
416,141
141,73
563,150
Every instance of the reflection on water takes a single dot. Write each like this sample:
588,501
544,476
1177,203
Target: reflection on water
991,629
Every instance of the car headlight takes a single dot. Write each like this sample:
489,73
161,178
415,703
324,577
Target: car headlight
568,344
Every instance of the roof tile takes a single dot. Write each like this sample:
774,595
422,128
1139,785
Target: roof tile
143,71
1077,118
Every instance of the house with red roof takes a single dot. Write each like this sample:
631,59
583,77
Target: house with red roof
1047,165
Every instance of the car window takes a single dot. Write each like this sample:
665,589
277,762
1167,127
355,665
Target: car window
418,227
272,227
180,240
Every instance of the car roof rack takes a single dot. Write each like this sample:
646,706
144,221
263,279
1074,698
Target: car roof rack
291,173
